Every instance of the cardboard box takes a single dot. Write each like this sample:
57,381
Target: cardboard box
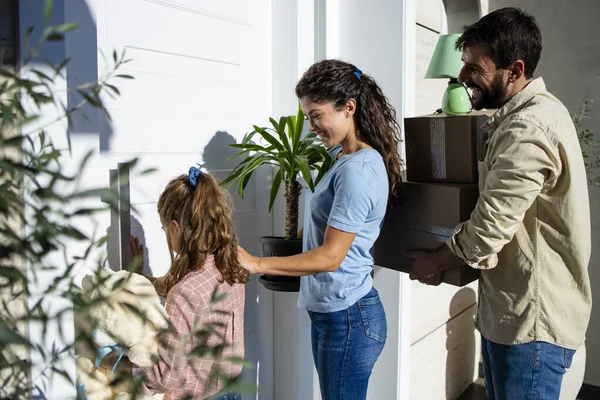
442,148
393,243
425,220
434,207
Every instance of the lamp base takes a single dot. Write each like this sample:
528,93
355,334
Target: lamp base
456,99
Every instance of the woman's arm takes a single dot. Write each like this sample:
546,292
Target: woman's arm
356,193
325,258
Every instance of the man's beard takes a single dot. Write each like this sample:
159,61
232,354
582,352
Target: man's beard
493,98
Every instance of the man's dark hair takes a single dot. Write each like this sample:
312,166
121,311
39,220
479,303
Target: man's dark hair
510,34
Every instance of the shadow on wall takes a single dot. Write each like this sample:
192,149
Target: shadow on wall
83,68
460,343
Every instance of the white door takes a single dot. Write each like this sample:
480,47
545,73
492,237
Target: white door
202,78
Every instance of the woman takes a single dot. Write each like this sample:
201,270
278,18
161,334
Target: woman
350,114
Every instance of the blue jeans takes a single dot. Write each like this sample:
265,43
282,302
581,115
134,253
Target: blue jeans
345,346
529,371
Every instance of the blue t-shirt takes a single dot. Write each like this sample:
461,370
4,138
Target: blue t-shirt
351,197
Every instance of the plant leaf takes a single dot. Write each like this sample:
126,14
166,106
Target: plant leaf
275,188
65,27
305,170
48,11
269,138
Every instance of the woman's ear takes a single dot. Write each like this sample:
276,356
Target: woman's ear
350,108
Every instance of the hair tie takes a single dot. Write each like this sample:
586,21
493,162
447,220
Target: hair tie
358,73
193,175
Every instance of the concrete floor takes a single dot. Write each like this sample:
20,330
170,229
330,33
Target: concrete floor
475,392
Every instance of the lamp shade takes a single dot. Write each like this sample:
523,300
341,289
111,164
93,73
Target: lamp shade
446,61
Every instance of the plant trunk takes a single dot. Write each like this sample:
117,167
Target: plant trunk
292,197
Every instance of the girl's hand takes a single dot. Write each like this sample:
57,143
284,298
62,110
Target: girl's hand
248,261
137,251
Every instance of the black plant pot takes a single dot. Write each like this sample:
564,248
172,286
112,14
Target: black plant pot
273,246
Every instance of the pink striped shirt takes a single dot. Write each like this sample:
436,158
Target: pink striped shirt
189,309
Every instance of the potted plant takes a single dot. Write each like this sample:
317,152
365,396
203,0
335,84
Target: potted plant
282,146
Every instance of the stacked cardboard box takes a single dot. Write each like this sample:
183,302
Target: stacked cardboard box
441,162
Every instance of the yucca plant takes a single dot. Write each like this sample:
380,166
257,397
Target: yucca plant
282,146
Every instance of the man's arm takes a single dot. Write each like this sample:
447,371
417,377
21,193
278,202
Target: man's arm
522,161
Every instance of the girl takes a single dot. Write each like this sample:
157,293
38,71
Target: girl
196,216
350,114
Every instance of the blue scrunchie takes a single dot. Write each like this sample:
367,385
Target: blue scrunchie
358,73
193,175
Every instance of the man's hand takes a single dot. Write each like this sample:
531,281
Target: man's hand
426,267
248,261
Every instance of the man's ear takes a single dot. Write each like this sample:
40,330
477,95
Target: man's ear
517,70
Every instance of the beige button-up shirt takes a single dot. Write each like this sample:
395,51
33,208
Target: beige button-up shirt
530,230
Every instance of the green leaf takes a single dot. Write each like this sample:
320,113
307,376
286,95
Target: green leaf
48,11
284,137
274,123
94,101
113,88
269,138
55,37
124,76
244,174
10,336
275,188
248,137
282,121
299,127
284,168
305,170
291,124
65,27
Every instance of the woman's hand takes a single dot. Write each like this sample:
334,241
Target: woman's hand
248,261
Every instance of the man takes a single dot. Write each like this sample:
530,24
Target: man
530,231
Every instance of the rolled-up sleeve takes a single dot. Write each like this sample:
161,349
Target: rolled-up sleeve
521,160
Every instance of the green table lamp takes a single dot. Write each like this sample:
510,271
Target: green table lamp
446,63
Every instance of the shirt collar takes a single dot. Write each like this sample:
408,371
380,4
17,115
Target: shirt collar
534,87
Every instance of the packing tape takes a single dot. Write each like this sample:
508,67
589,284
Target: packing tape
437,133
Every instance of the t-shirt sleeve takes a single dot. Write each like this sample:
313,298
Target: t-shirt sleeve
354,196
